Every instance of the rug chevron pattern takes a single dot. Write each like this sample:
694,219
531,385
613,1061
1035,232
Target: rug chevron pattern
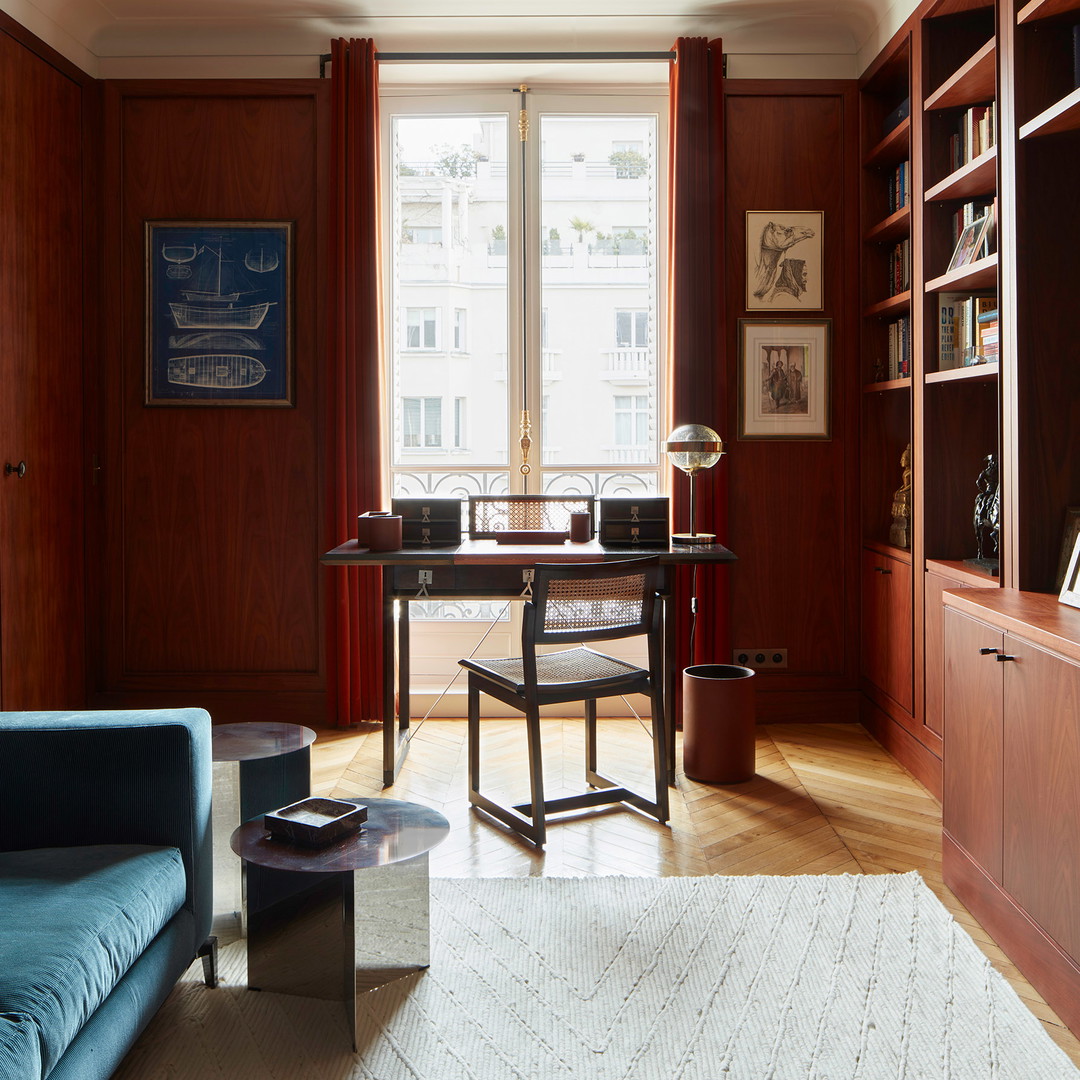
746,978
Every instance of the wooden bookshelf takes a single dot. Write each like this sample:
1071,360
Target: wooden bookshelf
1045,9
973,82
1063,115
895,227
974,277
977,177
973,373
886,386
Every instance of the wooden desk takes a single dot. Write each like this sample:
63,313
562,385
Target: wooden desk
487,570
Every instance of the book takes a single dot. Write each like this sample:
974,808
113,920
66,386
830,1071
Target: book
947,315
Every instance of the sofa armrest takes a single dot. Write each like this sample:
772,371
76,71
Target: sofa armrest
112,777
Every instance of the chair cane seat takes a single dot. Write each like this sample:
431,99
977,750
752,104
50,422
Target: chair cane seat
578,665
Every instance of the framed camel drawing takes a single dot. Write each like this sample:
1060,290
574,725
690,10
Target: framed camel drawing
784,260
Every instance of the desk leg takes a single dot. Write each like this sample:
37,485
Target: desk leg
396,707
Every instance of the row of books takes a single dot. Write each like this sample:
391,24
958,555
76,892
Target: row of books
899,268
976,134
960,319
900,348
900,188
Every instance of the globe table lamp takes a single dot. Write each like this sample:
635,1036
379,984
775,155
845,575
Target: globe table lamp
693,447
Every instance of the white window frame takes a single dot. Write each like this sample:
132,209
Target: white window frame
422,325
425,413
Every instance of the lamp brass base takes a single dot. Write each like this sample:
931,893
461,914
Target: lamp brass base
693,538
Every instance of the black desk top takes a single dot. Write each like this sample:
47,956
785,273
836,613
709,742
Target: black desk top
479,552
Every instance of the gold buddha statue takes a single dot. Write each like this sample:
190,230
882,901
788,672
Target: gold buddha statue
900,530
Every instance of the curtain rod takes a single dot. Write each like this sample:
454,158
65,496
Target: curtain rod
324,59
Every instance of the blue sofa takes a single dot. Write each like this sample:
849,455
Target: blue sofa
105,881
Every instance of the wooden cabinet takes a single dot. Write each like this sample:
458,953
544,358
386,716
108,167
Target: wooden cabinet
1041,754
971,800
886,626
1011,805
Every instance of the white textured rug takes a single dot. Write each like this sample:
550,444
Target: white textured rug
749,978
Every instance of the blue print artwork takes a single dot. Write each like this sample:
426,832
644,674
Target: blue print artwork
218,313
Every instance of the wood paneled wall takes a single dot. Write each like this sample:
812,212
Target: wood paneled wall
213,516
793,507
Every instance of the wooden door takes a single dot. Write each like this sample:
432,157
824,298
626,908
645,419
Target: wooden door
972,745
1042,793
42,634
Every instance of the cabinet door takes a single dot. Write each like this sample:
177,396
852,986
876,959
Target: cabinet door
1042,789
972,753
886,627
934,651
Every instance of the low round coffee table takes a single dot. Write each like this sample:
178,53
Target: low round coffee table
258,766
364,897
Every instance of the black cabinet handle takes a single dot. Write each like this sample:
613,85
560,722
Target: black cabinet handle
1002,658
882,570
987,652
19,470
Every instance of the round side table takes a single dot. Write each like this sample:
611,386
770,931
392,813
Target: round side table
258,766
363,900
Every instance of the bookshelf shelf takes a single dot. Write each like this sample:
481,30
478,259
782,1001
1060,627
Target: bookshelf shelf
959,570
972,83
895,227
891,305
900,554
977,177
958,7
894,148
887,386
1045,9
975,373
976,276
1063,115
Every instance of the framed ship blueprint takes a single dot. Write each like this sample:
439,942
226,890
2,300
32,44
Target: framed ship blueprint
219,313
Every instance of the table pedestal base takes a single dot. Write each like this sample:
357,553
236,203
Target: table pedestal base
336,935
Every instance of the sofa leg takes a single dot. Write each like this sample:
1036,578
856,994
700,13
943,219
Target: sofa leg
208,952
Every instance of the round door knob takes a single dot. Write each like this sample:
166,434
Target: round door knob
19,470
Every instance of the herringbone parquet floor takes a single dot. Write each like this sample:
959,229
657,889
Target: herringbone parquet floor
827,799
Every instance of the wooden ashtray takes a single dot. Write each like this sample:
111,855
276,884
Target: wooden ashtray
314,822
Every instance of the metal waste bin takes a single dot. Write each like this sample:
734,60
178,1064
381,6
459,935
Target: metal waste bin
718,723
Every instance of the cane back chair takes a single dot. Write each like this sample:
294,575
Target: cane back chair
573,604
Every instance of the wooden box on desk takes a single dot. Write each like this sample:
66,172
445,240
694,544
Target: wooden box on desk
429,522
636,521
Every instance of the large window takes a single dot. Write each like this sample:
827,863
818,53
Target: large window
525,281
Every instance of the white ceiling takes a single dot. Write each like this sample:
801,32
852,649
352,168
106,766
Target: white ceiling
283,38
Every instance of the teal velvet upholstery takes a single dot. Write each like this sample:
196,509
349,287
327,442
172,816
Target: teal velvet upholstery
121,802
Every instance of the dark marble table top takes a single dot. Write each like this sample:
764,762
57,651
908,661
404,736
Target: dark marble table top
394,831
259,739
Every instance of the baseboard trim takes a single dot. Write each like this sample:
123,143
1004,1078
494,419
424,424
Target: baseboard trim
920,761
1045,965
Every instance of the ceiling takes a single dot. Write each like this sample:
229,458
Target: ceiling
283,38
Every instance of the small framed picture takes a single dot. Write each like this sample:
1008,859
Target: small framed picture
784,379
971,241
1070,587
784,263
219,313
1068,539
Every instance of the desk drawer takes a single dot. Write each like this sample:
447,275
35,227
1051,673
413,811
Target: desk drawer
481,581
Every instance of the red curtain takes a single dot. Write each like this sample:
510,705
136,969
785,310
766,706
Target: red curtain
353,392
697,394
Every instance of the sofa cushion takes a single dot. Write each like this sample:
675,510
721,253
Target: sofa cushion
72,921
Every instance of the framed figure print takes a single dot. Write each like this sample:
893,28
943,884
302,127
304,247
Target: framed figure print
784,265
219,313
784,379
970,245
1070,587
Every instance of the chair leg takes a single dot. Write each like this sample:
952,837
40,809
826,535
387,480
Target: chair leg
536,773
474,737
659,733
590,743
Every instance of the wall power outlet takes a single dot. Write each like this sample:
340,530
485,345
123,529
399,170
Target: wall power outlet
760,659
